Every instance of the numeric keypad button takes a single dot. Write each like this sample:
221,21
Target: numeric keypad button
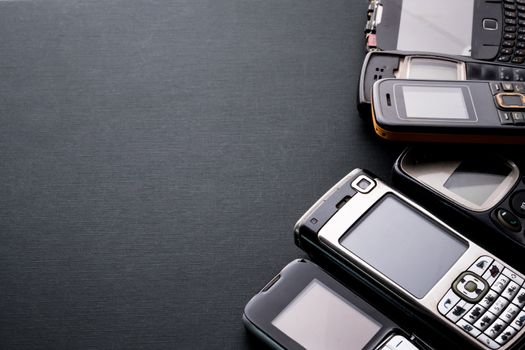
511,290
500,284
459,310
510,312
485,321
488,299
499,305
519,299
504,337
495,328
519,321
474,314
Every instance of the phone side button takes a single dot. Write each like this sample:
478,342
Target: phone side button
488,342
448,302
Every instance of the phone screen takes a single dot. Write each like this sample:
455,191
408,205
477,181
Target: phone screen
319,318
443,26
432,69
404,245
475,180
431,102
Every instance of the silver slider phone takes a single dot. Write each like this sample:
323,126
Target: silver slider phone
405,249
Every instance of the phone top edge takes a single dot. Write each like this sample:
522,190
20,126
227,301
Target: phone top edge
323,198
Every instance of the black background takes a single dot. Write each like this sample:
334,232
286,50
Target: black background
155,155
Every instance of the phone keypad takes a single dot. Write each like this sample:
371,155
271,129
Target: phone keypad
506,89
498,310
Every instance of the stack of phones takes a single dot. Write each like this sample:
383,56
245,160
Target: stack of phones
446,253
455,74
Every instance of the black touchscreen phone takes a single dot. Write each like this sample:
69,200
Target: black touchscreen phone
305,308
486,188
449,111
412,65
403,250
481,29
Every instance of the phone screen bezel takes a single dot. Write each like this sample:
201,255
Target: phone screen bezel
435,176
293,279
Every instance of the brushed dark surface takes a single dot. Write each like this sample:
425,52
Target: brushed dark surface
155,156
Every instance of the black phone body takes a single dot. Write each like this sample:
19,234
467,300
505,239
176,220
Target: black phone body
481,29
449,111
393,245
303,307
379,65
487,189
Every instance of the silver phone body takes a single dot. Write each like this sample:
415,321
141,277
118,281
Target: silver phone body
334,232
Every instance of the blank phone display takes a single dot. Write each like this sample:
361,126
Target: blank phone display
318,319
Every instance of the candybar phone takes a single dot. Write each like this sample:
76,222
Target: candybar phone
481,29
412,65
305,308
403,250
483,187
449,111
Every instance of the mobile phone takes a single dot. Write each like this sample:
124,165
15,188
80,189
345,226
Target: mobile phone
449,111
482,29
303,307
413,65
487,188
406,252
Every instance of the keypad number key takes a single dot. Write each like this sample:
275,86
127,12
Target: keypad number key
519,321
504,337
489,298
459,311
474,314
520,298
510,312
485,321
495,328
511,290
500,283
499,305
